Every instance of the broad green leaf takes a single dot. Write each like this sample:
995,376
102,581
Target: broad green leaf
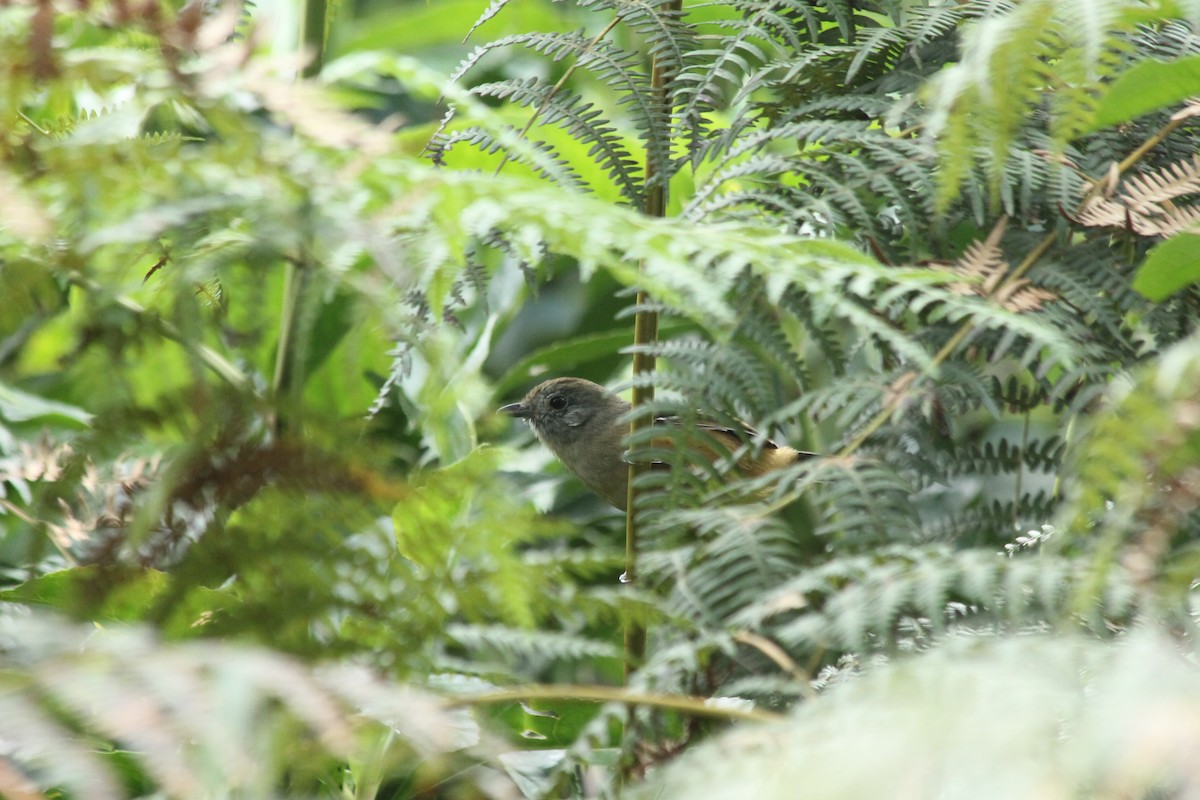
98,592
1147,87
1171,266
551,360
18,406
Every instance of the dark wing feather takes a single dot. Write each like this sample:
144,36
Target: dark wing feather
736,437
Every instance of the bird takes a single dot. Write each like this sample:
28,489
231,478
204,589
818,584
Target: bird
584,425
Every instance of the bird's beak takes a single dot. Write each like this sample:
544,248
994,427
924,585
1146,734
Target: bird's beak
518,410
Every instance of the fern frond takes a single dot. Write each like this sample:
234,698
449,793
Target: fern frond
862,503
583,120
1006,457
1001,81
1074,723
1153,188
494,8
737,554
992,521
499,645
549,164
1132,487
855,602
168,708
670,42
1145,203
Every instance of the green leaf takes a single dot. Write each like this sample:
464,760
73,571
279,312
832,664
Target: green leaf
108,593
18,406
1147,87
1171,266
551,360
30,292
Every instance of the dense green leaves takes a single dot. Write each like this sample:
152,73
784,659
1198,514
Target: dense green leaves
254,329
980,718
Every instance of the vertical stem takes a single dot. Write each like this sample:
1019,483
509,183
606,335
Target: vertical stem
1020,472
645,332
296,277
312,35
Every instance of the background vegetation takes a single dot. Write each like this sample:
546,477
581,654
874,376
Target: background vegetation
266,270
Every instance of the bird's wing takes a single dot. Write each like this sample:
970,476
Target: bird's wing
772,456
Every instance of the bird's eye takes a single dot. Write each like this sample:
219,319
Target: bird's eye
558,402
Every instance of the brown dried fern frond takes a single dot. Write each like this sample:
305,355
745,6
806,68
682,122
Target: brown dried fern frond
1170,220
1021,296
1190,109
1145,204
1100,212
1173,181
983,261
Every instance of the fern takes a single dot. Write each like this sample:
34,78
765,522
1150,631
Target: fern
985,99
1071,722
167,708
1146,204
892,245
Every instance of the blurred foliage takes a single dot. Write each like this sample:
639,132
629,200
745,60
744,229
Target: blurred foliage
1064,717
252,329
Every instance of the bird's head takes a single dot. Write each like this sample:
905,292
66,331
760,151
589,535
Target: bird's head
560,410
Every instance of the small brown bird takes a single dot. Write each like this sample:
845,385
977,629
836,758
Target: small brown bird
583,425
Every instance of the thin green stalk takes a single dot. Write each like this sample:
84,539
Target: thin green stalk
287,317
695,706
312,35
296,279
645,334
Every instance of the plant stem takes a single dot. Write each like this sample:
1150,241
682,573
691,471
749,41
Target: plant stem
312,35
645,334
296,278
695,706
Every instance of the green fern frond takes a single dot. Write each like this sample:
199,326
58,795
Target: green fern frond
1131,489
855,602
586,124
1002,80
167,709
862,503
670,42
561,171
499,645
1007,457
736,553
991,522
494,8
883,47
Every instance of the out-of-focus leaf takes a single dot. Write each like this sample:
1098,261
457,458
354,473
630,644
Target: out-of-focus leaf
19,406
30,294
461,517
178,710
150,222
1172,265
551,360
988,719
113,593
1147,87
